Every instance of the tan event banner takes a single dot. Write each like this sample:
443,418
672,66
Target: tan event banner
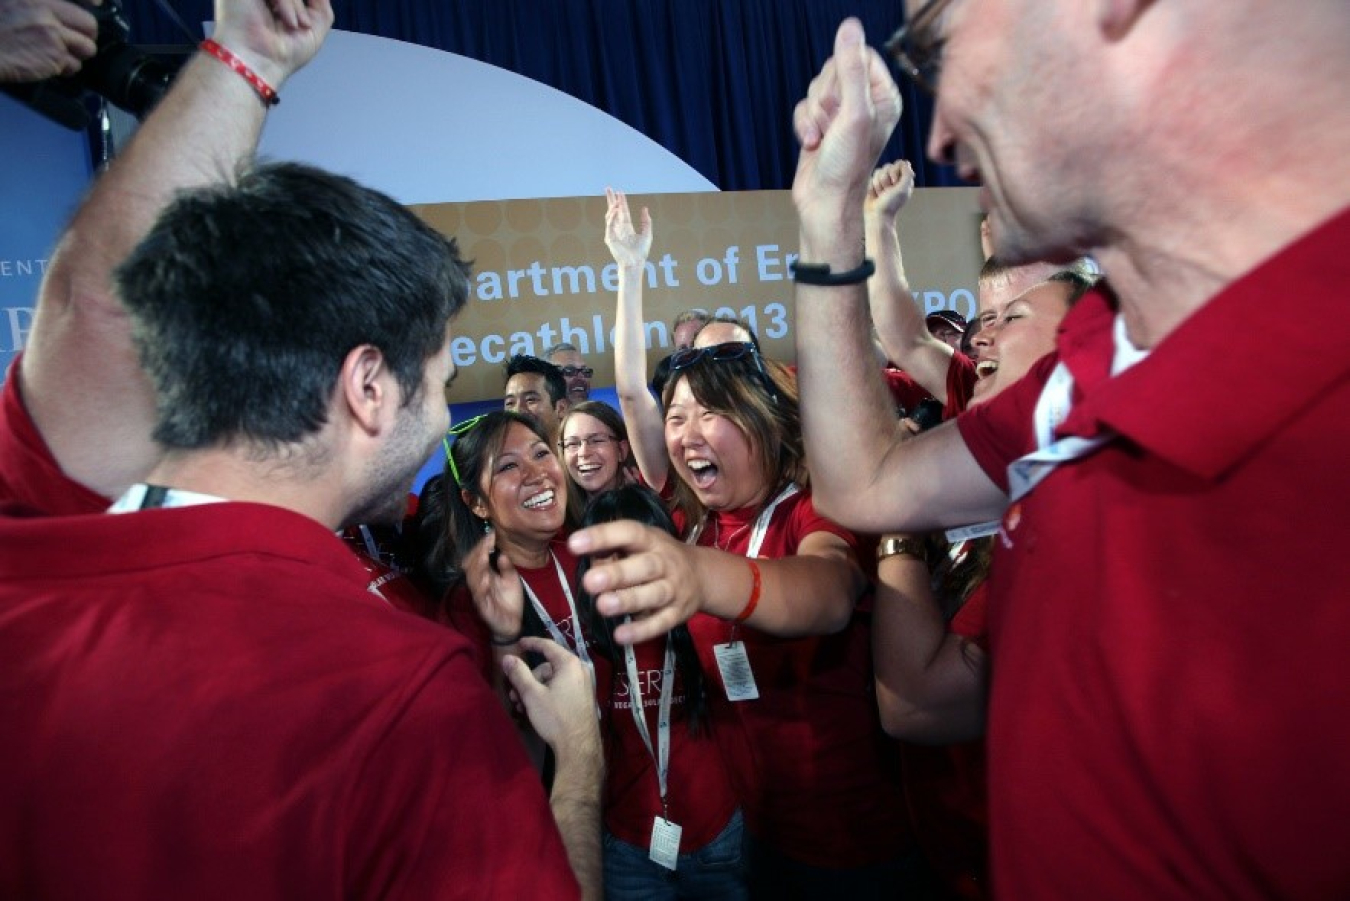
542,273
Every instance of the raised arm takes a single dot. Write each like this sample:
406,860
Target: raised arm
900,326
560,703
931,683
874,481
641,412
663,582
80,378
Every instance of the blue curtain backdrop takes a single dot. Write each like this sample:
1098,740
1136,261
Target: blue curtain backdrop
714,81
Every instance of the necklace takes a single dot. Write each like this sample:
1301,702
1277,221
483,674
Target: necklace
717,534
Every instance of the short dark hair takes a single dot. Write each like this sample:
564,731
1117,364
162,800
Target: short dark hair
553,377
245,299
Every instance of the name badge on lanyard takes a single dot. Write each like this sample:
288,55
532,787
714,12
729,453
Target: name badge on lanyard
665,843
738,677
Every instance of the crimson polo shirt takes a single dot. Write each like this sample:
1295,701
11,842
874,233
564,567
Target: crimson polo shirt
1170,710
206,702
31,481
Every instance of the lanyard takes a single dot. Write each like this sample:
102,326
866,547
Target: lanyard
761,528
661,753
554,632
147,497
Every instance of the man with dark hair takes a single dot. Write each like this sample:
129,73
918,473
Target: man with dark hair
1169,677
575,372
537,389
206,700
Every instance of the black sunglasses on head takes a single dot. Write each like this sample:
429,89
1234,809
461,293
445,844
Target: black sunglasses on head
727,352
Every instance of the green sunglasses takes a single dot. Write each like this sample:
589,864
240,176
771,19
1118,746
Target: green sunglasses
455,431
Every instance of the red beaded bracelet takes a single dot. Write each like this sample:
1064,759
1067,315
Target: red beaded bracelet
751,604
265,90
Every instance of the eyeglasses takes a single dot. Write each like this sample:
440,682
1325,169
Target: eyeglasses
456,431
572,445
727,352
917,47
569,371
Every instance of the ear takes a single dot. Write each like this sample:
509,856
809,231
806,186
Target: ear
561,407
1117,17
476,504
366,387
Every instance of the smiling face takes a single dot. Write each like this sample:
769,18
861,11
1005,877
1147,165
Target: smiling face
1013,116
711,454
1016,331
523,492
578,383
527,393
592,453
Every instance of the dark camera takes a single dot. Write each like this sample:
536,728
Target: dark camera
926,414
124,75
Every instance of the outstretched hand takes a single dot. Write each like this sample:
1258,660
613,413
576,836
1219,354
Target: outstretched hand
274,37
889,190
497,593
629,246
654,578
41,39
849,112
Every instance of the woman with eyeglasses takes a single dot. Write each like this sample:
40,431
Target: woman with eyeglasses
768,588
595,453
509,573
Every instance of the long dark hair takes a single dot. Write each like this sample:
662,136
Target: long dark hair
640,504
452,530
610,418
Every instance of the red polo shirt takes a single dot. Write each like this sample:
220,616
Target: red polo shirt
31,481
207,702
1168,615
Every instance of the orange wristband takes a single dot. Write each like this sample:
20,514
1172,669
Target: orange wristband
263,89
751,604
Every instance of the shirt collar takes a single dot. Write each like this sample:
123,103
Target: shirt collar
1232,374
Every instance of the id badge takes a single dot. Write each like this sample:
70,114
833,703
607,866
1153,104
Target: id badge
665,848
734,664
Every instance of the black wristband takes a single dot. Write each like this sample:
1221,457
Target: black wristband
499,643
808,274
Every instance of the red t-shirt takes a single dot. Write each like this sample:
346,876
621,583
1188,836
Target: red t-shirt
1168,617
946,792
31,481
701,797
206,702
906,392
821,778
960,385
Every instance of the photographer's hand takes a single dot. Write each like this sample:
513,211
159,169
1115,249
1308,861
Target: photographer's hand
41,39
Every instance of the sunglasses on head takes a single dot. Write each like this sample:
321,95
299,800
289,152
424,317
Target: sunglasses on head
456,431
727,352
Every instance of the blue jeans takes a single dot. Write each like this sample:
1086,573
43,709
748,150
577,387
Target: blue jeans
716,871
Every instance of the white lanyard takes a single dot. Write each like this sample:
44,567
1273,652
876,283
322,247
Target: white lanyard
146,497
661,754
549,624
1052,408
761,528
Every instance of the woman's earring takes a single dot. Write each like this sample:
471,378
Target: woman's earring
487,527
